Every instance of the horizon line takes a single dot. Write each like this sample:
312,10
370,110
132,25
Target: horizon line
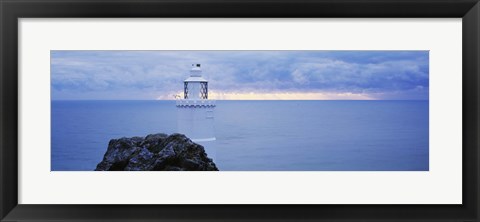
243,99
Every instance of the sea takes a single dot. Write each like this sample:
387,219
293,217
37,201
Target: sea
268,135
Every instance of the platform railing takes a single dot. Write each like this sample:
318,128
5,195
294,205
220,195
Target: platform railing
196,102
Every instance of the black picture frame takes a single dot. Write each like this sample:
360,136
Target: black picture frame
12,10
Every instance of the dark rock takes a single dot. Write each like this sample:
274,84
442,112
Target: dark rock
155,152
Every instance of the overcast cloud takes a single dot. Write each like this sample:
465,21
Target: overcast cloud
159,74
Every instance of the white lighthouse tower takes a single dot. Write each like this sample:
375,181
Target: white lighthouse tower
195,112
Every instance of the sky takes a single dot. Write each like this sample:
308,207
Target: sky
242,75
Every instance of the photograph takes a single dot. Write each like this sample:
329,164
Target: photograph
239,110
318,110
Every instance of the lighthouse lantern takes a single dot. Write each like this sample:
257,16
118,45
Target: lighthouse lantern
195,86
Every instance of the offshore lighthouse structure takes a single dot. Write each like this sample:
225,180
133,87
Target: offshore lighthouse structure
195,112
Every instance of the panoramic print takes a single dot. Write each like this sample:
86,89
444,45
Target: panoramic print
226,110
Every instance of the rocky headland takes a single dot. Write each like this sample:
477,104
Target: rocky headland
155,152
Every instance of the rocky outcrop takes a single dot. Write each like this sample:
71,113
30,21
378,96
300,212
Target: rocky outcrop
155,152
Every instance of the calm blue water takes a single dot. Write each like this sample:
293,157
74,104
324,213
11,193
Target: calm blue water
258,135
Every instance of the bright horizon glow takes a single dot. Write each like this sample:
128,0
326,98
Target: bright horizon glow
215,95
